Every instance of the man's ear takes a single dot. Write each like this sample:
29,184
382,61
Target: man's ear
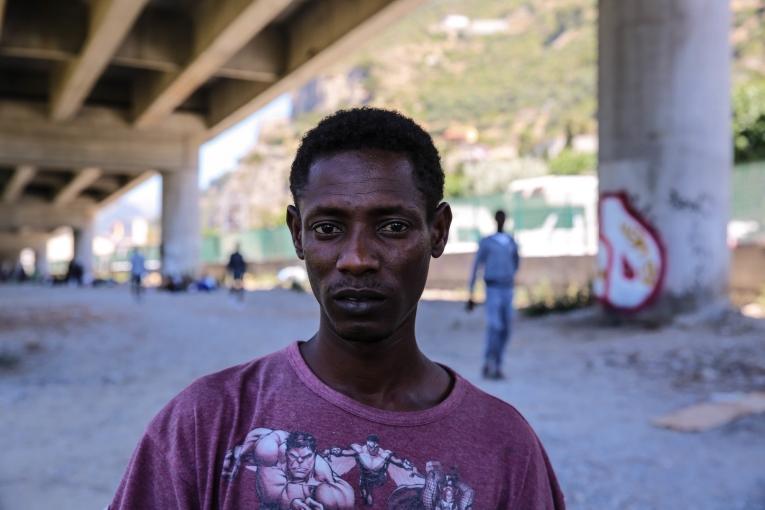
439,229
295,224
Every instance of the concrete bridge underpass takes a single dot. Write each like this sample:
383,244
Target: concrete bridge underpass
95,95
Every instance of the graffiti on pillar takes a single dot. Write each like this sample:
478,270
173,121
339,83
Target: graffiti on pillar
631,256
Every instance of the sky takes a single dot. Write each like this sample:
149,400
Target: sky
216,157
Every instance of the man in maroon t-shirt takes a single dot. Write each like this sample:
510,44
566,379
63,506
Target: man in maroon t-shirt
286,431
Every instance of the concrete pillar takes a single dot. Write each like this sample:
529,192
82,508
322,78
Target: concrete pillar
181,238
665,145
41,260
83,250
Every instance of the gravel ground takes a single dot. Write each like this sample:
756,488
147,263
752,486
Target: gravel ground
83,370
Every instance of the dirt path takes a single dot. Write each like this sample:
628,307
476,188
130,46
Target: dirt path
82,372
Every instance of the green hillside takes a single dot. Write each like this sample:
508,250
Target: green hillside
534,81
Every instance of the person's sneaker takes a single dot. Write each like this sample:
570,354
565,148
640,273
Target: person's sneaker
487,373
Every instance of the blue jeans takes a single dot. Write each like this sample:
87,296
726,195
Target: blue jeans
499,315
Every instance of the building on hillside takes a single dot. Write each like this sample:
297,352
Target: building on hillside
549,216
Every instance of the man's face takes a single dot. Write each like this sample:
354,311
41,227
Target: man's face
373,448
300,462
363,231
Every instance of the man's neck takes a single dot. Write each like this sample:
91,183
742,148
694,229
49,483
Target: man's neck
391,374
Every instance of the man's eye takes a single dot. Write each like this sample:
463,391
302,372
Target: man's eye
394,227
326,229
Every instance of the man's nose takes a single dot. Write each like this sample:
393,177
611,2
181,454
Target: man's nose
358,255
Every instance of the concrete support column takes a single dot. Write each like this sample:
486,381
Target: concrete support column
180,223
41,260
83,250
665,149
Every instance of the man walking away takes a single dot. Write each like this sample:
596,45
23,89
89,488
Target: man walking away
137,272
237,267
498,255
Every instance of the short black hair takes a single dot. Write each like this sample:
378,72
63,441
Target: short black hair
372,128
301,440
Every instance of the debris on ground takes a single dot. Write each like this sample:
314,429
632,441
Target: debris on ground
714,413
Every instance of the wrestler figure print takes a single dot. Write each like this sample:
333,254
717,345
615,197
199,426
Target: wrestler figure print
291,473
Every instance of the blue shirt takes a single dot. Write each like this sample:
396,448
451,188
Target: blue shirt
498,254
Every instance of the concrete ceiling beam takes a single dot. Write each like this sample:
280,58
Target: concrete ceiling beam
132,183
108,183
19,181
79,183
154,44
159,41
110,22
222,30
97,137
2,15
38,215
23,238
316,37
261,59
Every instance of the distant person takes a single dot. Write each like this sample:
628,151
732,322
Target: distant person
498,255
282,432
237,267
19,274
75,273
137,272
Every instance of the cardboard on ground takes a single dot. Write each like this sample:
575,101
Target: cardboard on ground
708,415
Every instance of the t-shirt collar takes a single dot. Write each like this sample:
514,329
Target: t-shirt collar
396,418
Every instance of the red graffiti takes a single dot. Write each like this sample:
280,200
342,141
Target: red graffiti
631,256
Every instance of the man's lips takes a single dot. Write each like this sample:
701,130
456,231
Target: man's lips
359,295
358,300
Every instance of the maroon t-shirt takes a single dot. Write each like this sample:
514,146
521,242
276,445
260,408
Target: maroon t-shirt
270,435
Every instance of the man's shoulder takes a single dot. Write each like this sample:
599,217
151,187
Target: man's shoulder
499,418
219,391
481,398
253,372
499,237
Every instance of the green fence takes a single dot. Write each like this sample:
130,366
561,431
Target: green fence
522,213
257,245
525,213
748,201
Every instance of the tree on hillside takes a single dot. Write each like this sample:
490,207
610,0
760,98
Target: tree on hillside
749,122
569,162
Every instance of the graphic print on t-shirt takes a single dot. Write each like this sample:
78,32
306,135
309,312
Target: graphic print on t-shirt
292,473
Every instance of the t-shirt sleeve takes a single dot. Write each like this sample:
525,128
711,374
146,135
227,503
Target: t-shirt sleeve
540,490
154,479
161,472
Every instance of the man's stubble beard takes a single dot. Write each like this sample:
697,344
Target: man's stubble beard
364,336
